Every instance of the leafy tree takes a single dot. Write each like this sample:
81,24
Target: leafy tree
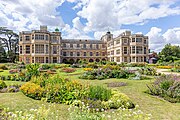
9,40
169,53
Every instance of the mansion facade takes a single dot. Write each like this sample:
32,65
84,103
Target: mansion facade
42,46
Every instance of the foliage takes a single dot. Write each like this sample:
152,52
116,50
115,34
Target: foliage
107,72
167,86
10,42
99,93
2,84
1,70
10,89
32,90
47,66
68,70
169,53
92,65
119,100
148,71
3,67
33,69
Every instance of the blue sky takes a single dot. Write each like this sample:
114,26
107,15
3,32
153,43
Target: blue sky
90,19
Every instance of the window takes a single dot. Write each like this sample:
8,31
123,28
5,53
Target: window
97,46
118,51
145,41
39,59
91,46
97,53
46,37
78,53
109,53
103,46
32,59
54,59
118,41
21,38
64,53
54,39
47,60
39,37
20,49
27,38
125,59
78,45
125,41
27,59
112,52
64,44
71,45
117,59
84,45
47,49
91,54
133,39
138,49
39,48
27,49
144,59
71,53
133,50
84,53
103,53
32,48
32,37
112,59
125,50
138,39
54,49
145,50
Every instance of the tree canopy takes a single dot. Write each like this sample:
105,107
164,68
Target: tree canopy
9,42
170,53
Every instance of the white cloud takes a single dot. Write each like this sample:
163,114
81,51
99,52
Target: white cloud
29,14
157,39
101,14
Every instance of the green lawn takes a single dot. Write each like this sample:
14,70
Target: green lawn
159,108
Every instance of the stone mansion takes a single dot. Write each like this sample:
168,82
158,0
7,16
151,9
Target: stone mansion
42,46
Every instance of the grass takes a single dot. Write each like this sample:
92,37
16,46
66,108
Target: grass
159,108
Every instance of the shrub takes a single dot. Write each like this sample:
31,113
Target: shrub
92,65
167,87
99,93
2,84
119,100
1,70
68,70
148,71
33,69
2,66
32,90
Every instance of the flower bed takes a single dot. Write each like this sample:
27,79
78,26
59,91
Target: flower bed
167,87
68,70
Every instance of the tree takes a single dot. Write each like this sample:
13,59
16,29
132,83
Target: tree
9,40
170,53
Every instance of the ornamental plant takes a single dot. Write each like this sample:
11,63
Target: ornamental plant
32,90
2,84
